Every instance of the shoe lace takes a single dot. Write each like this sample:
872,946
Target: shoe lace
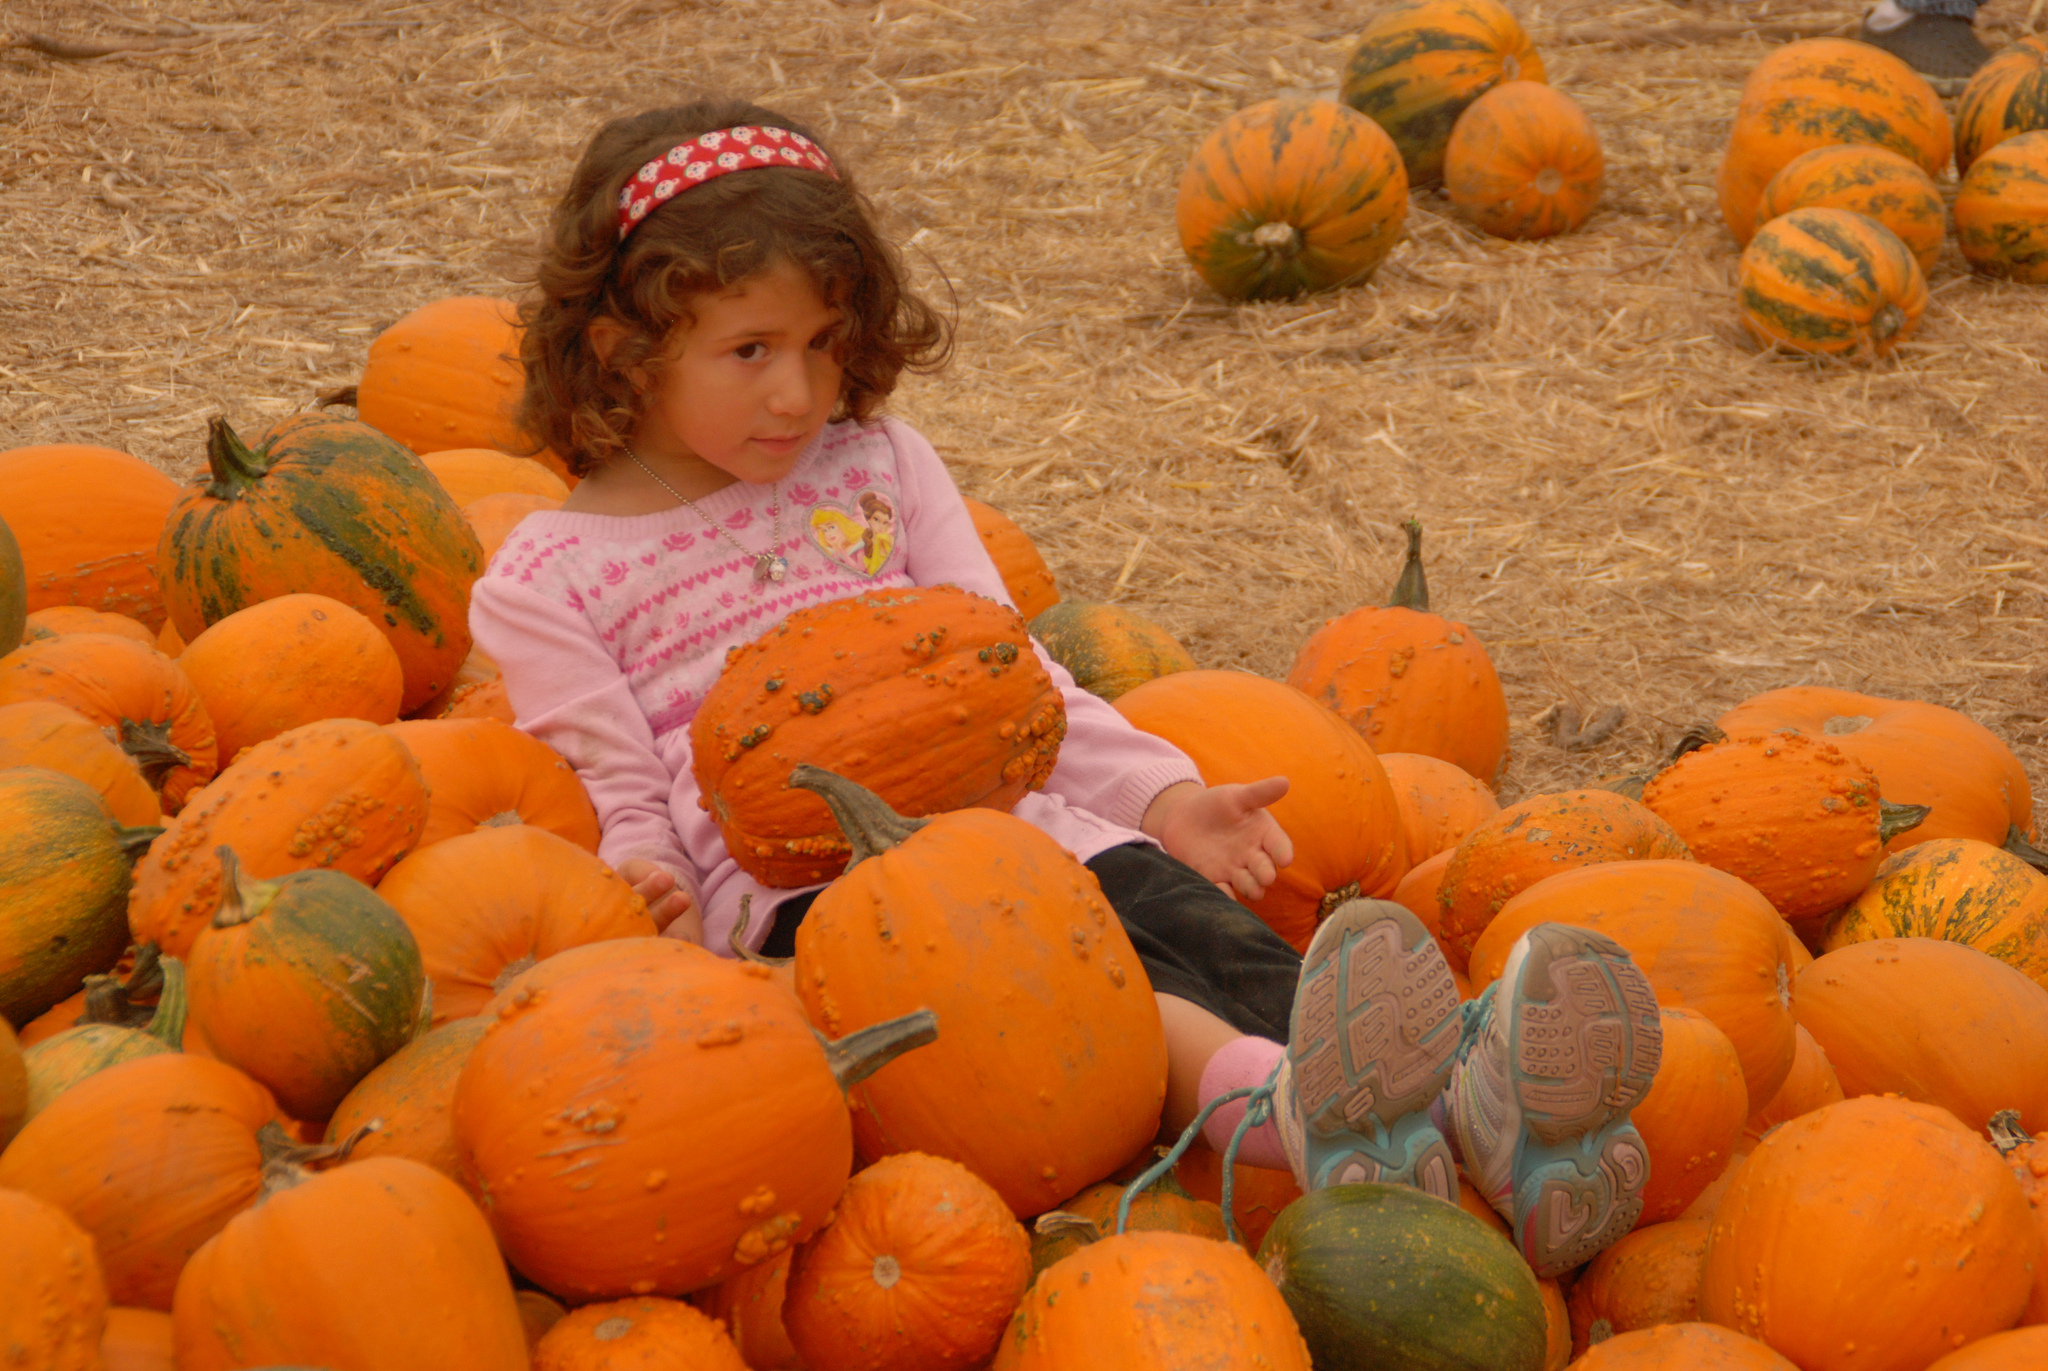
1258,1110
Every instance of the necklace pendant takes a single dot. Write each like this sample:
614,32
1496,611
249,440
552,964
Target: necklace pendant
769,567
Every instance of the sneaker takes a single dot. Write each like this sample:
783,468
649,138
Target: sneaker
1556,1053
1944,48
1374,1033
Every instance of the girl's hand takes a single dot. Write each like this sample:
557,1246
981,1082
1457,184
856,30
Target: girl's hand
1224,832
668,902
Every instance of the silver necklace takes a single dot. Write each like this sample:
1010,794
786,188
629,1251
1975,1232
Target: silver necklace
768,566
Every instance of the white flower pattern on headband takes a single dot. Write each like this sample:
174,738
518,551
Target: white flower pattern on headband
705,157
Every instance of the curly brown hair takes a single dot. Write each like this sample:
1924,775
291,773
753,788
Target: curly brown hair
706,239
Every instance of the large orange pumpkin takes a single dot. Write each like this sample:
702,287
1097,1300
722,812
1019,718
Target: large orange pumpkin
1830,283
330,507
1872,181
1409,680
1339,809
1536,839
1874,1234
46,734
1025,574
1291,195
1440,802
408,1097
55,1312
1524,161
2007,97
641,1334
484,774
930,696
98,552
2002,210
1692,1346
1108,649
469,474
1648,1277
493,517
1811,1085
139,696
1817,92
1692,1118
1420,64
1959,890
1049,1073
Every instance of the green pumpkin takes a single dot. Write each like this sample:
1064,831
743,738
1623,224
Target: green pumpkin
13,592
1386,1278
106,1034
1108,649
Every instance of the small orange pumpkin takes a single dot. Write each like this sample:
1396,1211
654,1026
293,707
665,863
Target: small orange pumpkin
2000,1352
2028,1158
1830,283
480,700
469,474
1109,650
1692,1118
1025,574
1440,802
58,620
138,695
643,1334
493,517
1693,1346
1811,1085
1649,1277
1257,1193
1524,161
408,1096
1959,890
2002,210
1420,64
750,1306
1870,180
2007,97
1420,894
99,553
46,734
55,1313
484,774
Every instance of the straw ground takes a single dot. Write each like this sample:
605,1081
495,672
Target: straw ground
1626,501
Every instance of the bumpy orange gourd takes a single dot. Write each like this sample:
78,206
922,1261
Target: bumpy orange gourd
1693,1346
1922,754
920,920
919,1270
1874,1234
2028,1158
641,1334
1810,1085
1440,802
141,697
1536,839
1933,1021
481,773
1290,195
1830,283
493,517
1025,574
482,700
2002,210
487,905
1692,1118
1817,92
408,1096
1705,940
59,620
2007,97
101,552
1649,1277
750,1306
1959,890
1339,809
1872,181
138,1340
378,1265
1108,649
342,794
469,474
1524,161
46,734
931,696
1420,64
56,1307
2000,1352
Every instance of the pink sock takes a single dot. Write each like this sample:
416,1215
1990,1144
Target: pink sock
1239,1063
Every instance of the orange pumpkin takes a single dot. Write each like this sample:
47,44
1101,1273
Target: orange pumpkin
1291,195
1557,1320
1922,754
919,1270
1959,890
1071,1016
1420,64
1440,802
1705,940
1339,809
1536,839
483,700
2007,97
930,696
1811,1085
46,734
1257,1193
1891,1015
487,905
1872,181
13,1085
641,1334
58,620
493,517
408,1096
1830,283
1420,891
1025,574
1108,649
1409,680
1693,1346
1524,161
1873,1234
750,1306
169,642
539,1313
342,794
484,774
1163,1206
137,1340
141,697
1817,92
98,552
2002,210
55,1312
2000,1352
379,1265
1692,1118
469,474
1649,1277
109,1031
2028,1158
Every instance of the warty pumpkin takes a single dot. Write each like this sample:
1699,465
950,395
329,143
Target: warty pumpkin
2002,210
1524,161
64,869
1033,590
1830,283
59,620
1694,1346
933,697
1872,181
137,1340
1534,840
482,700
151,1158
1692,1118
2007,97
641,1334
1874,1234
46,734
2028,1158
1961,891
104,1037
2015,1347
1290,195
750,1306
1933,1021
13,592
923,915
289,661
342,794
1162,1207
1649,1277
1440,802
486,905
55,1312
1339,808
1409,680
469,474
1811,1084
408,1096
484,774
379,1265
140,697
919,1270
330,507
99,553
1107,649
1817,92
493,517
1420,64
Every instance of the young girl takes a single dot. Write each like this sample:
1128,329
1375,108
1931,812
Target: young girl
717,325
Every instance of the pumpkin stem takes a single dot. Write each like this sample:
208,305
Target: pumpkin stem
504,818
154,753
1892,820
1278,239
167,1025
870,826
240,900
2007,1133
135,841
1058,1221
739,931
1411,591
109,1000
2017,844
861,1054
288,1162
236,469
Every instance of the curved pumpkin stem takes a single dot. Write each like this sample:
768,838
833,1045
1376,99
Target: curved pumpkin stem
2008,1134
1057,1221
739,930
1892,820
235,468
167,1025
870,826
154,753
1412,590
240,900
135,841
288,1162
110,1000
2017,844
861,1054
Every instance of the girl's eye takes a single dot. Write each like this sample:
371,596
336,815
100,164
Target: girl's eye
750,352
825,341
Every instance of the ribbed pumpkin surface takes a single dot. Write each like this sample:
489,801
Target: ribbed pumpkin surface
1958,890
1875,182
58,620
2008,96
1440,802
1524,162
1108,649
409,1095
1811,1085
2002,210
1649,1277
482,773
1692,1118
1830,283
1420,63
448,375
1025,574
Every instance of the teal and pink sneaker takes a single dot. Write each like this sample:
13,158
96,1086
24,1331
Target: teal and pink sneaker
1556,1053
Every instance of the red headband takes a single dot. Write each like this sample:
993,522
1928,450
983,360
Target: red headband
711,155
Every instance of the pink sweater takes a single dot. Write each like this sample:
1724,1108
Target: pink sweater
610,631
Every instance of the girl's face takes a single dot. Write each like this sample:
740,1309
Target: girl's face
756,378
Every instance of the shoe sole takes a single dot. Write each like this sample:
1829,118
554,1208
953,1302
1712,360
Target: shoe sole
1574,1202
1374,1031
1584,1037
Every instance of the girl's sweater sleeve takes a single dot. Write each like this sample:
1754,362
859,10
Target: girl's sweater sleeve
1106,766
566,690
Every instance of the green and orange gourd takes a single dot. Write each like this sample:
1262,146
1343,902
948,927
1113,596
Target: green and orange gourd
2002,210
2007,97
1524,161
1420,64
1959,890
1830,283
1109,650
1872,181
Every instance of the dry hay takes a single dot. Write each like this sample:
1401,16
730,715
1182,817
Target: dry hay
1627,502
